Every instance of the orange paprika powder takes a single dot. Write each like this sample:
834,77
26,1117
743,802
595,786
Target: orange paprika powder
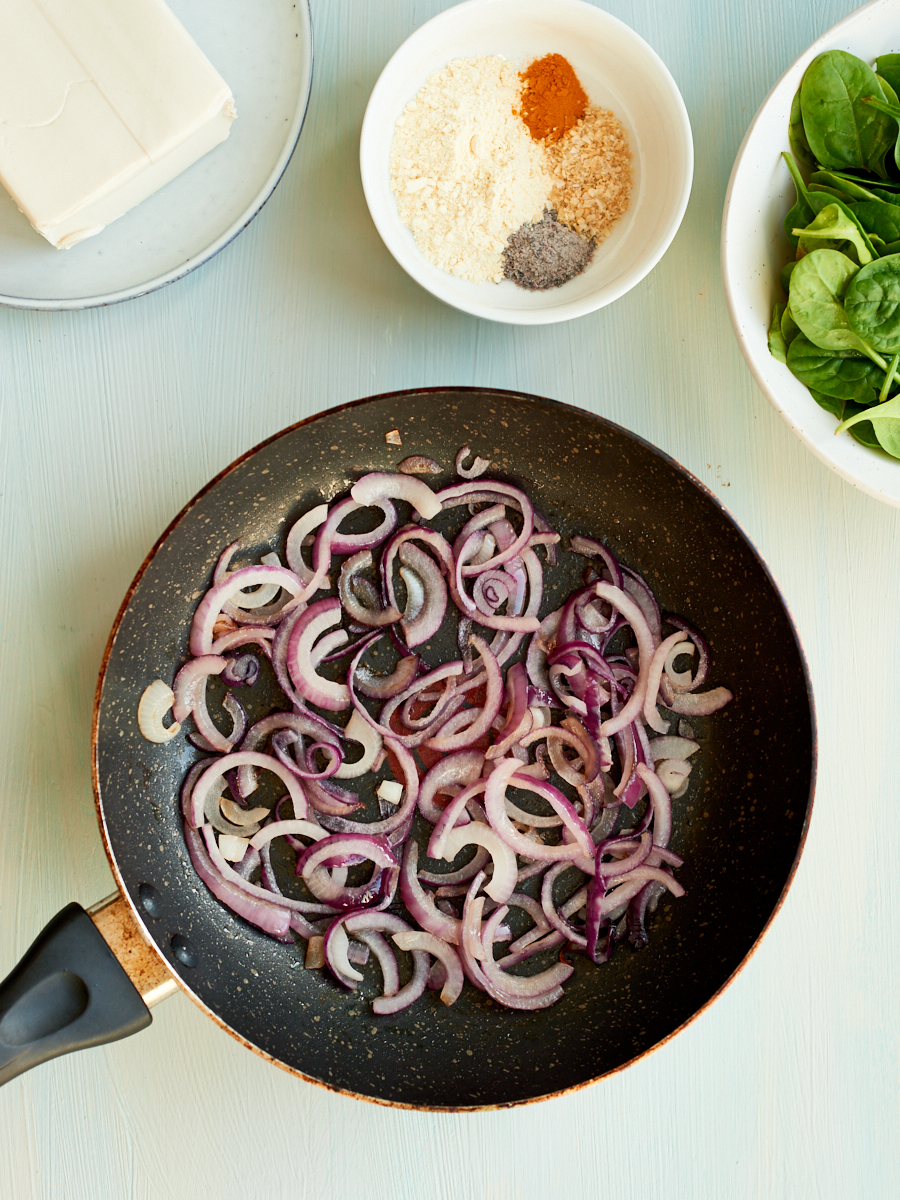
553,100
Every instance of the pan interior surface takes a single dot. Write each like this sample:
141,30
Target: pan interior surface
740,826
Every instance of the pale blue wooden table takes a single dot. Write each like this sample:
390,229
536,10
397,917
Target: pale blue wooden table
111,419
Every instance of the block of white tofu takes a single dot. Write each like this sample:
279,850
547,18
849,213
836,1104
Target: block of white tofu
102,102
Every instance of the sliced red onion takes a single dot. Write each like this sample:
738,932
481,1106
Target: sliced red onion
593,549
646,874
359,731
211,605
421,903
453,972
654,673
646,645
466,493
419,464
673,747
382,687
472,966
683,681
248,635
493,698
503,578
281,828
358,954
661,805
399,820
156,700
674,773
454,770
385,958
495,807
318,617
701,704
339,846
530,986
336,947
260,598
191,679
299,531
268,917
383,485
454,814
446,881
636,587
503,881
231,876
217,769
422,619
477,467
518,715
353,607
410,992
242,670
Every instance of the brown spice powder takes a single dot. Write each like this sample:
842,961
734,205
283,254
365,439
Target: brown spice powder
553,100
591,169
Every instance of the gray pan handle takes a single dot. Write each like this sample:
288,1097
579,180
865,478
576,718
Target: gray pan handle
71,991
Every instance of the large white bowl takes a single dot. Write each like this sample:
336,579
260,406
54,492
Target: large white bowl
617,70
754,249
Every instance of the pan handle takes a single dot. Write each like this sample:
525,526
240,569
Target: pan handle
71,990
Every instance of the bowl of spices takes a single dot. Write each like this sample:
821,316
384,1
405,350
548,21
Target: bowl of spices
526,161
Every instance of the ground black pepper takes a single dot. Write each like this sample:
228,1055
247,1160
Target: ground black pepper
546,254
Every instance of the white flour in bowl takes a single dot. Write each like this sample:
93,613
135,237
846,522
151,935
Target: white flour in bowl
464,168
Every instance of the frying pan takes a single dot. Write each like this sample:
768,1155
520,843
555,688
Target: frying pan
740,826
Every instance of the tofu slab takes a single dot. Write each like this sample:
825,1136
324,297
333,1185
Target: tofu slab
102,102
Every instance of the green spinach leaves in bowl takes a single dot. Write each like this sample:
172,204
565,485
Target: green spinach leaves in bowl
839,330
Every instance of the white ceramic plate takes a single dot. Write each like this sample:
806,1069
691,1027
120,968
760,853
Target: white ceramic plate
754,249
617,70
263,49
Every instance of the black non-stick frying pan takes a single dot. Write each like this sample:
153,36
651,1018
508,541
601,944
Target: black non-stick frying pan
740,826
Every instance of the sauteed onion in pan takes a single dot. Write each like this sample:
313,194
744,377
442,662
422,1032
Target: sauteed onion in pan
551,746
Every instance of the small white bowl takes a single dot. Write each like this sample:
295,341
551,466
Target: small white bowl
754,249
619,71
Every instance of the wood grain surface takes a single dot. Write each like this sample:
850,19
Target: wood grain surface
787,1087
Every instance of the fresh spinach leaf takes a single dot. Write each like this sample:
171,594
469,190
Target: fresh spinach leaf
829,403
818,283
842,130
837,375
862,431
812,203
872,304
878,189
891,108
832,228
777,345
801,213
848,187
888,382
789,327
879,218
885,420
784,277
797,135
888,67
